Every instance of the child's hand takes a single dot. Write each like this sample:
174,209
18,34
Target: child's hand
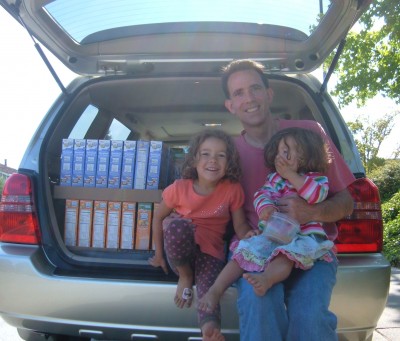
286,167
157,261
251,233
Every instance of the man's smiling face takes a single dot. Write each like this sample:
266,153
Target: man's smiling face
249,99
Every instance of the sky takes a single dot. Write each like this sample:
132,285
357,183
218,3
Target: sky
27,90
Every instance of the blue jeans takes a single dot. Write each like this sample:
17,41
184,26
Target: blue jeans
295,310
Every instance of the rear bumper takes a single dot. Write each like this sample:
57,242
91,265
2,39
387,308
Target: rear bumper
32,297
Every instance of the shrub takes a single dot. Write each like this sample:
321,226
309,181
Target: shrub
387,179
391,231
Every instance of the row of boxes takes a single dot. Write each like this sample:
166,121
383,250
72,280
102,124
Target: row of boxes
108,224
114,164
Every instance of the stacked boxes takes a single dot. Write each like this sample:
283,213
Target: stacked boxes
117,164
109,224
136,165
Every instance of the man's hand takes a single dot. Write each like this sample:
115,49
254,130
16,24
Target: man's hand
159,261
327,211
297,208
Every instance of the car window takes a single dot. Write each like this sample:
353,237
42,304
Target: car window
81,19
84,122
118,131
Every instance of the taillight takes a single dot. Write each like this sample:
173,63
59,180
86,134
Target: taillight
18,220
362,231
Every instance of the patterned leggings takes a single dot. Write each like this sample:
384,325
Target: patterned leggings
180,248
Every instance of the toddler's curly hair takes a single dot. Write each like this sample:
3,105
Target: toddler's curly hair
314,151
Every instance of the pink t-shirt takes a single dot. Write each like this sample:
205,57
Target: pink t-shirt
255,172
210,213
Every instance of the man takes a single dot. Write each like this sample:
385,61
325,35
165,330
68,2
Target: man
298,308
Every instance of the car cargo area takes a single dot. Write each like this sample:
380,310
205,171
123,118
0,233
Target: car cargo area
103,202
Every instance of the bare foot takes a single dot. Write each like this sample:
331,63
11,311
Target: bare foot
212,332
209,301
184,292
259,281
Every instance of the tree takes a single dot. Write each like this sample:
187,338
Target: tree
2,181
369,62
369,137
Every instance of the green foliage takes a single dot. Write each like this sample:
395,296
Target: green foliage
369,63
369,137
2,181
391,232
387,178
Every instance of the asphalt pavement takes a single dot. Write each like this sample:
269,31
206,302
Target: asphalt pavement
389,324
388,328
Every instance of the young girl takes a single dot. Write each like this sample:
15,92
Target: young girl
202,204
297,157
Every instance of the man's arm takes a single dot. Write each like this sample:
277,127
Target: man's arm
328,211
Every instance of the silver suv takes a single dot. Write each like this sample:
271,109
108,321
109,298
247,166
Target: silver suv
150,71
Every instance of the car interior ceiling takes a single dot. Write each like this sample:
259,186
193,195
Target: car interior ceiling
171,110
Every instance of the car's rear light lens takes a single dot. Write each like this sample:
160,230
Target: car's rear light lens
362,231
18,220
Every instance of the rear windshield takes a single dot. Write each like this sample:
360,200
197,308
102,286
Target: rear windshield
81,19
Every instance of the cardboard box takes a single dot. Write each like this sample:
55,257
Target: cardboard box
78,162
85,223
143,226
99,224
128,222
114,171
103,161
89,177
142,158
157,169
67,155
128,164
71,222
113,224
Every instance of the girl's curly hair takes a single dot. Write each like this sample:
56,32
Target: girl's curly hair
233,170
314,151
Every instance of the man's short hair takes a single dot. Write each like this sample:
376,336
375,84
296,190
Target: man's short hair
241,65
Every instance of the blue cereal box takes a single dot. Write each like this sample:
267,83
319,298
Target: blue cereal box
142,159
114,170
128,164
78,163
67,155
157,169
89,177
103,160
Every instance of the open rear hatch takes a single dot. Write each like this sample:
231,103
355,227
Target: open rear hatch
123,39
